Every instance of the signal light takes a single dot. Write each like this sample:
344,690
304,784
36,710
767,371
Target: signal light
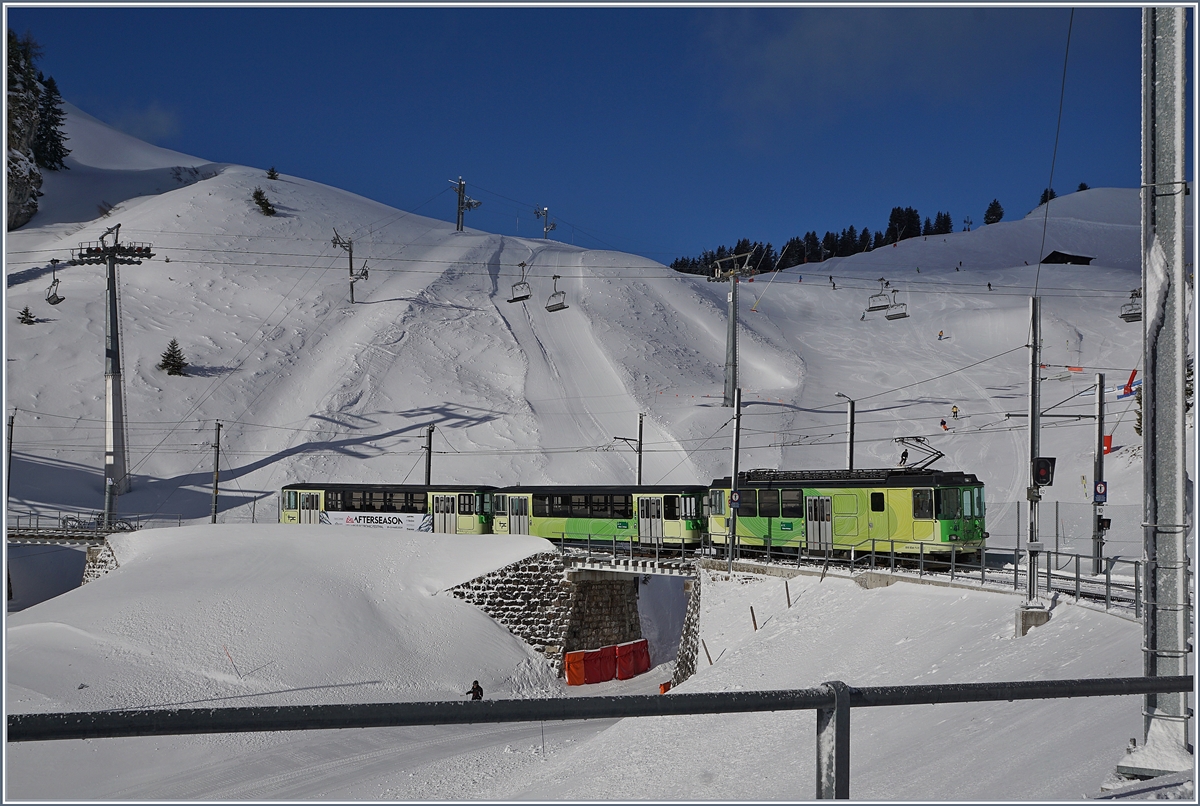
1043,471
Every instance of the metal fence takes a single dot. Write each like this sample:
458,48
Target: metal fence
832,701
84,524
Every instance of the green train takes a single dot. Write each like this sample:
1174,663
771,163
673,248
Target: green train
647,515
907,510
910,510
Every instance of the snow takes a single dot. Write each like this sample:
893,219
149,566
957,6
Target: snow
310,388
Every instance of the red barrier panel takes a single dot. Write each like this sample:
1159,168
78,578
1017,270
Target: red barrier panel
574,668
600,664
633,659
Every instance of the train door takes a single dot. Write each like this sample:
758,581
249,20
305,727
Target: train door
818,522
518,515
310,507
445,514
650,520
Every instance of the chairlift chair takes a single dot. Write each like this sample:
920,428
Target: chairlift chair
558,300
896,310
878,302
521,290
1132,310
52,293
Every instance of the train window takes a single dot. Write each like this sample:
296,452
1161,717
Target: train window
979,509
389,502
622,506
541,506
560,506
922,500
947,503
484,503
579,506
687,507
600,507
352,500
289,499
716,502
670,507
877,504
967,501
415,503
768,503
791,503
749,505
500,504
466,504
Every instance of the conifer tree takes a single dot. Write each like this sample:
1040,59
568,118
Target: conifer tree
263,202
994,213
1082,186
272,173
1047,195
172,360
26,316
48,144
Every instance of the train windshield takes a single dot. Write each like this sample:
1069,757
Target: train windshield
947,501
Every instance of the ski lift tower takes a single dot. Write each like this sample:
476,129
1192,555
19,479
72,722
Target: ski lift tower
736,269
116,474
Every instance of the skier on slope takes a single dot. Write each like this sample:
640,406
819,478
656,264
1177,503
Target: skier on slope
476,691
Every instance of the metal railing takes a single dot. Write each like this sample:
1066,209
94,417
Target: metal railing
832,701
84,524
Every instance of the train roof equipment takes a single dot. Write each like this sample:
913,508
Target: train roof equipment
558,300
1132,310
859,477
880,301
896,310
521,290
921,444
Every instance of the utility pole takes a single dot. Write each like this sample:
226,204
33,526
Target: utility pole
465,202
216,469
116,473
348,245
428,453
1166,623
548,224
1098,477
850,430
734,495
1033,493
637,447
731,346
8,464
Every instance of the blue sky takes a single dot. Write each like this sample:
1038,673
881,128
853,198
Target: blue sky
658,131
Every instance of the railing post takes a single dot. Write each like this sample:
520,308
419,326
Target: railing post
833,744
952,562
1016,569
1137,588
982,566
1107,584
921,562
892,556
1077,577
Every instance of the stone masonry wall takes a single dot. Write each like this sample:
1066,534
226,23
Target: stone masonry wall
689,641
604,612
100,560
531,598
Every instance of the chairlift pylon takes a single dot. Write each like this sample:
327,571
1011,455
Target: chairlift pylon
878,302
1132,310
558,300
896,310
521,290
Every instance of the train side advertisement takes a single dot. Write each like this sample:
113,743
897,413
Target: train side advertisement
413,522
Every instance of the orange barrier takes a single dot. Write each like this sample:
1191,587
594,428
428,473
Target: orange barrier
574,668
600,664
621,661
633,658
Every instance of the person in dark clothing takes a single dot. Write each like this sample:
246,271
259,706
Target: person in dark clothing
476,691
904,457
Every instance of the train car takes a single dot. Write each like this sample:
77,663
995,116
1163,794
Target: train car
647,515
902,509
448,508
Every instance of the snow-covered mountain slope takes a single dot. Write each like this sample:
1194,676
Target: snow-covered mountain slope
310,387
